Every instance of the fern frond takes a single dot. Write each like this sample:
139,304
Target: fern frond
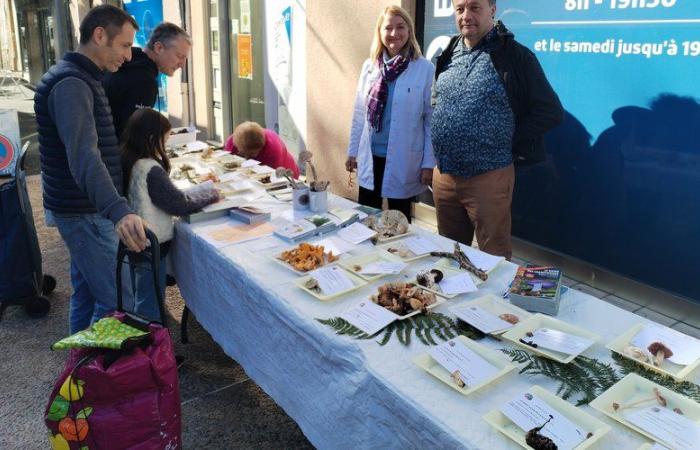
387,335
428,328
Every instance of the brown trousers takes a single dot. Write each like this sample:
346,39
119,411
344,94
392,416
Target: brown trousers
478,204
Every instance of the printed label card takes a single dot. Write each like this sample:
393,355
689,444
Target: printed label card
674,429
559,341
420,245
332,280
356,233
377,268
458,284
483,320
369,317
686,349
455,356
529,411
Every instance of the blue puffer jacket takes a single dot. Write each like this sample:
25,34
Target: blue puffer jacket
62,193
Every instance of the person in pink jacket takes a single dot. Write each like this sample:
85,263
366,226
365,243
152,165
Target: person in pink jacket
251,141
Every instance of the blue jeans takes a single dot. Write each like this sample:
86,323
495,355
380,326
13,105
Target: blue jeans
145,300
92,244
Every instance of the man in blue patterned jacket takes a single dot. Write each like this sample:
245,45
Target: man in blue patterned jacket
80,162
493,105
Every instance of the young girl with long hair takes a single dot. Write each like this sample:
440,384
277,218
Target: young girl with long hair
154,197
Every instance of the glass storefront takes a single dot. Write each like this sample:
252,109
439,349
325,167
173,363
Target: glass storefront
619,186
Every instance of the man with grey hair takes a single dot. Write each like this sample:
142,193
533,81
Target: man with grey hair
135,85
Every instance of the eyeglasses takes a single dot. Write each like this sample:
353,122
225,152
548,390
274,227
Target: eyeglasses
351,181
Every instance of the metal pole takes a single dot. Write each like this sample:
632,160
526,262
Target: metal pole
61,31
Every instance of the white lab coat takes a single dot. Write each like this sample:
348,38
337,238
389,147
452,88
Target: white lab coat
409,148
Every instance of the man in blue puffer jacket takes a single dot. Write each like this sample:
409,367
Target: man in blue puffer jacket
80,162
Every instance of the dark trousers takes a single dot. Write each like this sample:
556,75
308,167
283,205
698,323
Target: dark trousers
373,198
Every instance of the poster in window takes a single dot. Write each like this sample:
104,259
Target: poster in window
245,56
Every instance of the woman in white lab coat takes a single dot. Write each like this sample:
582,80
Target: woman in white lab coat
390,143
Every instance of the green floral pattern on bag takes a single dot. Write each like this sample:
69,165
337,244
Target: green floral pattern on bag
105,333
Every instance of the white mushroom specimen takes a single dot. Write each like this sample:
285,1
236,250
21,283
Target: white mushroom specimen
658,398
637,353
457,378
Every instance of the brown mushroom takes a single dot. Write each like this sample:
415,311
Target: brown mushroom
437,275
510,318
660,352
537,441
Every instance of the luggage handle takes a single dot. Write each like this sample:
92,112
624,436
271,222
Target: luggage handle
153,254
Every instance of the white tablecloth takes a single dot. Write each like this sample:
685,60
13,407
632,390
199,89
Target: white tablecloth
347,393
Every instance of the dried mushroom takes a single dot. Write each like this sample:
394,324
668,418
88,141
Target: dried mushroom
307,257
457,378
312,285
658,398
510,318
430,278
638,353
660,352
232,165
211,176
403,298
402,251
534,439
389,223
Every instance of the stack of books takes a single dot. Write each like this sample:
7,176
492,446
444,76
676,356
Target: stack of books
343,217
249,214
537,289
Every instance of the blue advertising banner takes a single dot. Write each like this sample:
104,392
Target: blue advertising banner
619,187
148,15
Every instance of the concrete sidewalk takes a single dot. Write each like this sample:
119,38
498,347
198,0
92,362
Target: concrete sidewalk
221,407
